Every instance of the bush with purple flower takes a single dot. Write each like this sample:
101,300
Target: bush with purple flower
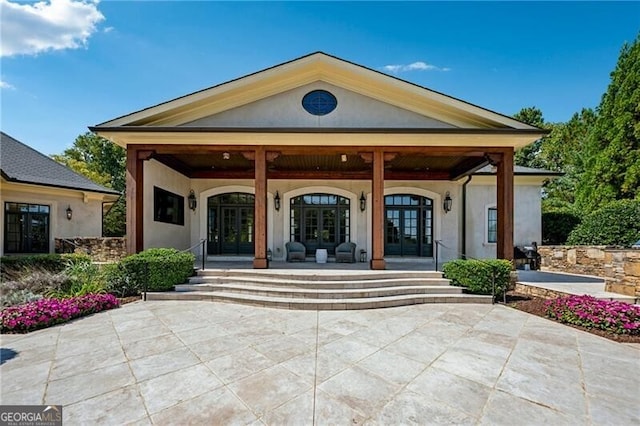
47,312
589,312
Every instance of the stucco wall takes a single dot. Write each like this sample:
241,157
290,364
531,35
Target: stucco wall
445,226
285,110
87,214
160,234
527,217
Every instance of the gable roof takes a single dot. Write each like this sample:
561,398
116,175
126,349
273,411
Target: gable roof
23,164
317,66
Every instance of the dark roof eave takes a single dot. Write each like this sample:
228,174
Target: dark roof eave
74,188
380,130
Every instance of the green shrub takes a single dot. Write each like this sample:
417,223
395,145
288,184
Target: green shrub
13,266
557,225
614,224
475,275
159,269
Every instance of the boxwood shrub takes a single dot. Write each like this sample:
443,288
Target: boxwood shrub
159,268
475,275
614,224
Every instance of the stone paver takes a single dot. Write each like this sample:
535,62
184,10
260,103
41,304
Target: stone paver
209,363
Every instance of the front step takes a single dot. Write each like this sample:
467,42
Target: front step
320,293
320,289
320,304
287,281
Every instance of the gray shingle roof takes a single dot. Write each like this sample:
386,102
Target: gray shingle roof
21,163
520,170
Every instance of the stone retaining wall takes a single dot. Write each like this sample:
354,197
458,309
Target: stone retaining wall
106,249
619,267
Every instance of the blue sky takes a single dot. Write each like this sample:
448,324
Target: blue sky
68,64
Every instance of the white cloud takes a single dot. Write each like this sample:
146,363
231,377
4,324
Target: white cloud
6,86
32,28
415,66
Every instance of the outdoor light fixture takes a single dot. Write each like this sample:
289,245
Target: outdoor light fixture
226,155
363,202
193,203
446,205
69,213
343,158
276,201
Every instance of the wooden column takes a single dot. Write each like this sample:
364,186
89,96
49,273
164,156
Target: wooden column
377,212
260,216
504,246
135,185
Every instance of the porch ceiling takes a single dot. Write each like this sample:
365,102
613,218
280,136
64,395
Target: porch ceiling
352,165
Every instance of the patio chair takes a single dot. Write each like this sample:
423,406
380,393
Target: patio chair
296,251
346,252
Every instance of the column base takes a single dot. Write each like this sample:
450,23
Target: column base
377,264
260,263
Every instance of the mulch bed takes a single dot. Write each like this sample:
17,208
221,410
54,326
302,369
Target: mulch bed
535,305
125,300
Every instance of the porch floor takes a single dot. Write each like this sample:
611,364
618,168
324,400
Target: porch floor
399,264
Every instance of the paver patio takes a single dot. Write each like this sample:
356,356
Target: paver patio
210,363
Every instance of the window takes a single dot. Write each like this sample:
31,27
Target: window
168,207
319,102
26,228
492,225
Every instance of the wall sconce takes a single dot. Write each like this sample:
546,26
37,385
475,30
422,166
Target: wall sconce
343,158
363,202
193,203
69,213
226,155
276,201
446,205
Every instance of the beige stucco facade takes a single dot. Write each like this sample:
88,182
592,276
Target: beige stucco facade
447,227
86,206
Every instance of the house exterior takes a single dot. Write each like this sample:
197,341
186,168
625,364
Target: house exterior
321,151
43,200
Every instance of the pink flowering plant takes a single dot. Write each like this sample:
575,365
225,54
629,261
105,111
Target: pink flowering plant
589,312
47,312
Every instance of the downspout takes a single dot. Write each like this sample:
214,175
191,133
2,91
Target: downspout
464,216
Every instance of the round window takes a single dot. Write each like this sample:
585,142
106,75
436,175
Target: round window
319,102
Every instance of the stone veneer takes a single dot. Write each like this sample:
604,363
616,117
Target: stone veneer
105,249
619,267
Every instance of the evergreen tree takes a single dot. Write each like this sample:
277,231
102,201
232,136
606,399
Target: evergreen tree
612,160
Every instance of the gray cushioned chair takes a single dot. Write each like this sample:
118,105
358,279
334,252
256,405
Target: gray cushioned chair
296,251
346,252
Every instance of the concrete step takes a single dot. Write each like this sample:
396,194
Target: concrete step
320,304
319,293
302,282
318,274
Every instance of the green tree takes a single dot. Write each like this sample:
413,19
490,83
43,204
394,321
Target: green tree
98,159
564,150
612,163
103,162
529,156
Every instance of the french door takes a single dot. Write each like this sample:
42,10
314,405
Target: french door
231,224
408,226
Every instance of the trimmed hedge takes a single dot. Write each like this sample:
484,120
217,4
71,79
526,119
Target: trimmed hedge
159,268
475,275
557,225
53,263
614,224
